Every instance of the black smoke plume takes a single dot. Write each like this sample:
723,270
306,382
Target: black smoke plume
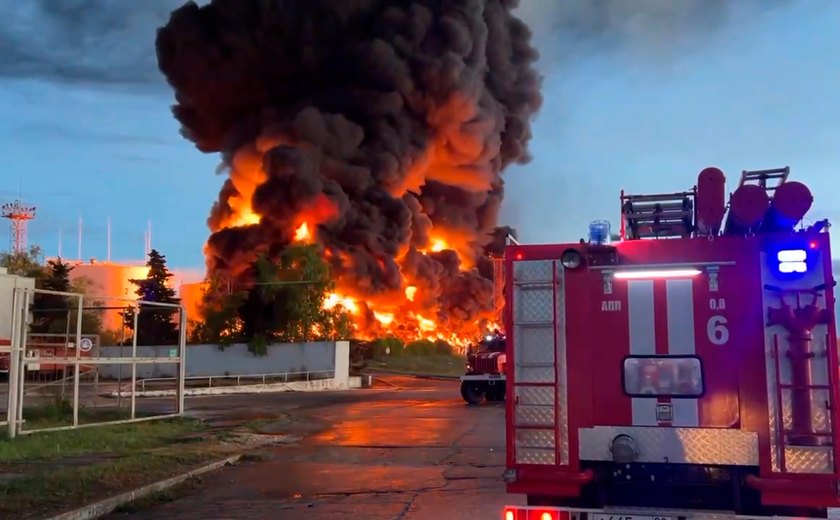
387,124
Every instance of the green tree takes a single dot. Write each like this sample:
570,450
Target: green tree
286,302
155,324
50,311
27,263
220,312
55,314
283,303
91,316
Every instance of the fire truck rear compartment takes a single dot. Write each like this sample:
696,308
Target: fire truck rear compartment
678,487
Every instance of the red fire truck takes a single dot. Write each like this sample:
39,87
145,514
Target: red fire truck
485,370
687,370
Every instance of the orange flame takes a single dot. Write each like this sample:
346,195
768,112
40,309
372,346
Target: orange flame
395,313
438,246
302,233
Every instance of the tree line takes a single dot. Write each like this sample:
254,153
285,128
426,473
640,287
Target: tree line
283,302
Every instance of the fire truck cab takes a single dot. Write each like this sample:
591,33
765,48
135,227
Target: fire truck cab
485,370
687,370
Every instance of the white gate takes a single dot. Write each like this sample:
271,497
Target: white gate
76,352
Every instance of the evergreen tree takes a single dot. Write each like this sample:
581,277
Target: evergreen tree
155,324
50,311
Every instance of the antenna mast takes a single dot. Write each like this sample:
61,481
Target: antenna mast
18,215
80,237
109,240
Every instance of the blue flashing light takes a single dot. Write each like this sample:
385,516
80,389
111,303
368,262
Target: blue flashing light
599,232
792,261
791,255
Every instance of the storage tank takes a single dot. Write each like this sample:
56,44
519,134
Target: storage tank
747,207
791,202
711,200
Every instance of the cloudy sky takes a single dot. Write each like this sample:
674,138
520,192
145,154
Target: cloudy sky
638,97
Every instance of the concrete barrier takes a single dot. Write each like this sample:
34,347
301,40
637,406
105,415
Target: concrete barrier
211,360
341,380
320,385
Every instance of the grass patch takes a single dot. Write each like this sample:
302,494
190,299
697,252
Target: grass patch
66,488
116,439
257,425
60,470
432,364
58,412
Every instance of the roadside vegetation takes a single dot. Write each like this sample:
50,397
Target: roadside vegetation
417,357
45,473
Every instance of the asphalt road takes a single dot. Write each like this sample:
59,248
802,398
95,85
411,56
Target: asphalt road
413,452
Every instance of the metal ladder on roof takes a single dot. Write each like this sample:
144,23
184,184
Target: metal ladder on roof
658,216
760,178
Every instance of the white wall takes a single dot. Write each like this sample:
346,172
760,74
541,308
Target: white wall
210,360
8,283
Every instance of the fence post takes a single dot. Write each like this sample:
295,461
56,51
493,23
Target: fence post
182,362
11,411
134,360
341,365
78,354
28,298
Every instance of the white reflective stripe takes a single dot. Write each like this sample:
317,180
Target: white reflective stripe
642,341
680,295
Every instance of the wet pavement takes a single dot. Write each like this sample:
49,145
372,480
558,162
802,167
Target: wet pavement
413,452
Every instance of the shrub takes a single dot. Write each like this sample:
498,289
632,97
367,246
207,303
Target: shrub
420,347
387,347
442,347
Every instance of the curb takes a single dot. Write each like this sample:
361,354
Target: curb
293,386
385,372
103,507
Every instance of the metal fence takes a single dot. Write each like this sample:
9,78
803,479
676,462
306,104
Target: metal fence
34,405
239,380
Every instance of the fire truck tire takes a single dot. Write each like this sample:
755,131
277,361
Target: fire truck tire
496,392
473,391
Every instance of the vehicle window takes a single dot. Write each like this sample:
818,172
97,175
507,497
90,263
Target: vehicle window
663,376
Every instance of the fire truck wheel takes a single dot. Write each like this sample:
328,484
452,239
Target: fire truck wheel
472,391
496,392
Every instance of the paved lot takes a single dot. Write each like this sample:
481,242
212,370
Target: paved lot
417,452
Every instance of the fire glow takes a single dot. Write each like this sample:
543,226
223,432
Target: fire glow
383,147
411,324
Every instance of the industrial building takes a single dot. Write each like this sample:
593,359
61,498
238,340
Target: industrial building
110,283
